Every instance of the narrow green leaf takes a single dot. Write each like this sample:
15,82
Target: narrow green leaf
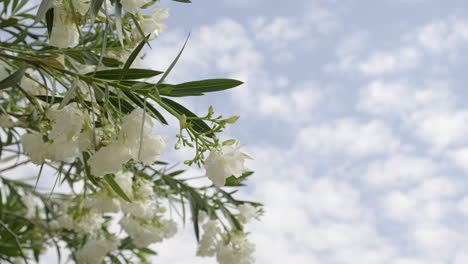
115,186
138,101
45,5
118,22
13,79
131,58
130,74
166,73
9,22
94,9
49,20
69,95
205,86
137,24
231,218
183,1
198,125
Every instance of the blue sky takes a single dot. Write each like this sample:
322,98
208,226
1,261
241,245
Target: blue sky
356,114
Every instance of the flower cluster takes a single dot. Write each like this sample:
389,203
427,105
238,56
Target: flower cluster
66,28
228,247
63,141
142,219
134,141
224,161
96,249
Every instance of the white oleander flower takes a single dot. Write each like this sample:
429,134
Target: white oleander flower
68,122
65,221
145,210
88,223
34,147
209,240
62,150
124,180
132,6
30,204
64,31
238,250
246,212
153,24
109,159
95,250
102,202
145,233
145,190
31,86
151,147
6,121
225,161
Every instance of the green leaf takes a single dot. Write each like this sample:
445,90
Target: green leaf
204,86
183,1
49,20
231,218
9,22
166,73
111,62
115,186
130,74
138,101
131,58
199,125
45,5
13,79
94,9
118,22
196,204
69,95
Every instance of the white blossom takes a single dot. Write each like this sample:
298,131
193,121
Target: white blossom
64,31
209,240
153,24
102,202
145,233
30,204
132,6
87,223
30,86
124,180
95,250
62,150
142,209
34,147
238,250
246,212
109,159
68,122
126,146
225,161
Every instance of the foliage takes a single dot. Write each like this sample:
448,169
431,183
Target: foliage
74,100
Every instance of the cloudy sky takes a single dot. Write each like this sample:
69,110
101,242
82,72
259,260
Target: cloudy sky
356,113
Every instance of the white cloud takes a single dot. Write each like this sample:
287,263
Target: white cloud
403,98
399,170
384,62
349,136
